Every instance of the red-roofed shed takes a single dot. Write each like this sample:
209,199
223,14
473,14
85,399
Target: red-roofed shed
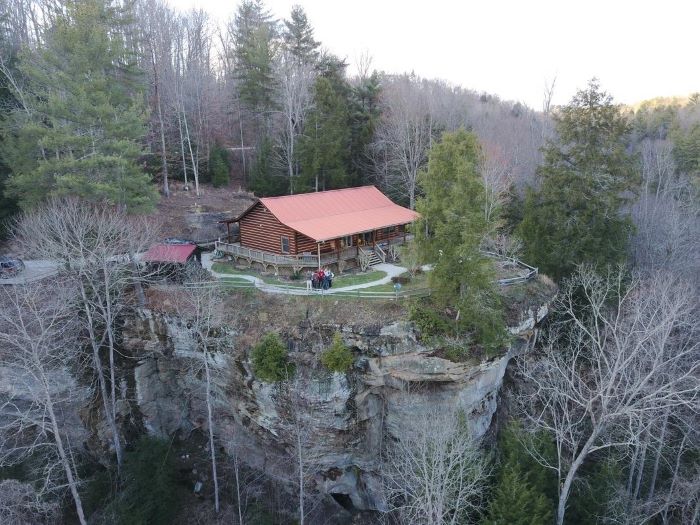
170,253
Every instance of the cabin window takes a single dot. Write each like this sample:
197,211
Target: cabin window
367,237
284,240
388,231
347,241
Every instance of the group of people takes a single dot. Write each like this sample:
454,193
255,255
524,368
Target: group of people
321,279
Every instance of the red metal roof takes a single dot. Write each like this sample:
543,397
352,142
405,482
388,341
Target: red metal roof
326,215
169,253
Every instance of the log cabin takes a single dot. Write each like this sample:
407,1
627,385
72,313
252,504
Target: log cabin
338,228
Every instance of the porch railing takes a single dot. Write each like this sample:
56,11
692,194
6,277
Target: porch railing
308,260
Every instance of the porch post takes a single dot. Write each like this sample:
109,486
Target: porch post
318,247
228,231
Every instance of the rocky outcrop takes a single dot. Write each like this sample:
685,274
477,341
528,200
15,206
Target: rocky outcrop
344,418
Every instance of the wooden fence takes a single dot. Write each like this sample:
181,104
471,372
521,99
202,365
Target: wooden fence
531,273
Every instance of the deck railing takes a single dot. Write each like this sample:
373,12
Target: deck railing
307,260
298,261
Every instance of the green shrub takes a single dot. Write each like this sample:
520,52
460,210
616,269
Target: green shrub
401,279
270,362
428,321
151,495
338,358
456,353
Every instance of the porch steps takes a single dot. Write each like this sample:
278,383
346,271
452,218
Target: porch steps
374,259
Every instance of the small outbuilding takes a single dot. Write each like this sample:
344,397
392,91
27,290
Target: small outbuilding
179,254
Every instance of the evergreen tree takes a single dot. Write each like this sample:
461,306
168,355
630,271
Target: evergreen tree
218,166
516,502
525,491
299,37
254,35
364,116
449,232
587,177
686,151
265,180
151,495
8,204
82,134
325,146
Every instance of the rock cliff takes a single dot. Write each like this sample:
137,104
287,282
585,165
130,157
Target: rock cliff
341,419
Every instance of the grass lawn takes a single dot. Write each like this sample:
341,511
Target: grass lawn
229,269
348,279
419,281
236,280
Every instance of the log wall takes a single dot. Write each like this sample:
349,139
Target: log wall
261,230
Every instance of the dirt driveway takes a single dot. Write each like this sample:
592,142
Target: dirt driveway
33,271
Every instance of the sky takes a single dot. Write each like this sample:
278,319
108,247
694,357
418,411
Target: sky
637,49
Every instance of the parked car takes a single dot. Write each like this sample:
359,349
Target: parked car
10,267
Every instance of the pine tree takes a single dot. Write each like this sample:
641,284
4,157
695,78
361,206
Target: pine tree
255,34
264,180
449,232
82,135
364,115
218,166
325,147
299,37
586,179
515,502
8,204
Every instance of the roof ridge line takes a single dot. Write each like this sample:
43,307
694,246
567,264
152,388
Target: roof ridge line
317,192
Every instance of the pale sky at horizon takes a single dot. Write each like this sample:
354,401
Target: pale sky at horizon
638,49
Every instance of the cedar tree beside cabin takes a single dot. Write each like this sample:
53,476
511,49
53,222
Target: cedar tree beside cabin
337,227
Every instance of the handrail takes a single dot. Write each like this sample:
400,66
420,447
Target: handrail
381,253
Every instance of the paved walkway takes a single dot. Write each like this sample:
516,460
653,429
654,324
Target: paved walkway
391,270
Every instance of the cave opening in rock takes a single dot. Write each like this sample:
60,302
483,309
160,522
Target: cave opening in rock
344,501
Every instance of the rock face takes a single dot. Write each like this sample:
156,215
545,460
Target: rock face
341,419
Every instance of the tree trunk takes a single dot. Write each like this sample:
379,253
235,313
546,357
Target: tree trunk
657,459
210,423
195,170
300,460
182,148
166,187
238,485
565,489
72,484
111,421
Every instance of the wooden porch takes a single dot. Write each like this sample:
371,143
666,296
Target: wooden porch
366,256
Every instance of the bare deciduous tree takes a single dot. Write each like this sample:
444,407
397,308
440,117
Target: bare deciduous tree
497,177
95,246
20,504
201,308
625,353
434,472
296,80
665,216
39,350
403,136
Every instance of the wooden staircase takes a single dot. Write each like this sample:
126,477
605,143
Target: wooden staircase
374,258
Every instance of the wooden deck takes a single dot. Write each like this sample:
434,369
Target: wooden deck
365,255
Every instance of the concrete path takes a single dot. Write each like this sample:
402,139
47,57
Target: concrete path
391,270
